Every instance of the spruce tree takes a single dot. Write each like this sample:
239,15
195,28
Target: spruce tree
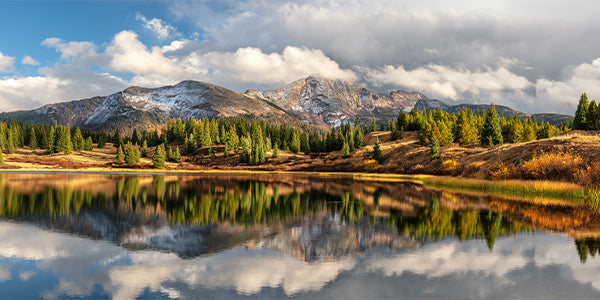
32,139
176,154
132,154
359,140
295,146
1,157
120,154
144,149
580,121
246,144
49,140
345,150
435,149
89,145
78,141
373,125
377,152
190,145
101,141
276,150
10,142
491,133
116,139
159,157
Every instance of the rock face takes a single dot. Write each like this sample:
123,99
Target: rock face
146,108
330,101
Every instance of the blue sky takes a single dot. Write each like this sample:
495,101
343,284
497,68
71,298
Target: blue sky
537,56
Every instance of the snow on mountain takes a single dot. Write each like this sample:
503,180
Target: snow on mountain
147,108
334,100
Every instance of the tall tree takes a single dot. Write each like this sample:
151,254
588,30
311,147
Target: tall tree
491,133
89,145
120,154
580,121
78,141
377,152
32,139
159,157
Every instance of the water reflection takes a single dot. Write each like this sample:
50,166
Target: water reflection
226,236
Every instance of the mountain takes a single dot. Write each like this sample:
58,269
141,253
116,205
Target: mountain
323,101
554,119
147,108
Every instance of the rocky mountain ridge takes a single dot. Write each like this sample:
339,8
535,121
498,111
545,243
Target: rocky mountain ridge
312,100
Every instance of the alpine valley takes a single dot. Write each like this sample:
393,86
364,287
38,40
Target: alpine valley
312,100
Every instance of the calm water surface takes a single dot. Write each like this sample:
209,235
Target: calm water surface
126,237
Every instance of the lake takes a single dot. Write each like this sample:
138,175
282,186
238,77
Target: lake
218,236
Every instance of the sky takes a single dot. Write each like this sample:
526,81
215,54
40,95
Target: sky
532,55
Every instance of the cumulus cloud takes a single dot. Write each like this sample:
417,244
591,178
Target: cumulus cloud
28,60
251,65
71,50
6,63
160,28
446,82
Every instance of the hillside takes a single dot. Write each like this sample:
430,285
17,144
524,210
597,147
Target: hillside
146,108
553,119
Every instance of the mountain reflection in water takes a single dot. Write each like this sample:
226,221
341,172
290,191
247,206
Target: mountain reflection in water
271,236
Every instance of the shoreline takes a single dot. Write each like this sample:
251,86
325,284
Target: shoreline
521,188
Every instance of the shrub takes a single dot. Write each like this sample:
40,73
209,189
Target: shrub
589,176
500,171
450,164
552,166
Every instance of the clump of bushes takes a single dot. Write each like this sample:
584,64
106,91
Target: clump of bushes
552,166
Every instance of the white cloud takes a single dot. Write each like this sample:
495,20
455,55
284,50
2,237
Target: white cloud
251,65
447,82
159,27
6,63
71,50
28,60
127,54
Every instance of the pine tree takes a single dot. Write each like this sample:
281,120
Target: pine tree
32,139
373,125
491,133
435,149
377,152
580,121
49,140
395,134
101,141
89,145
78,141
276,150
116,139
120,154
190,145
359,140
258,153
159,157
145,149
295,146
176,154
345,150
10,142
246,144
132,154
1,157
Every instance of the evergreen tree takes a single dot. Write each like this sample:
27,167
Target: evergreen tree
132,154
190,145
144,149
465,132
591,116
32,139
89,145
120,154
101,142
373,125
10,142
377,152
580,121
359,140
63,140
1,157
435,149
246,144
174,156
78,141
276,150
49,140
116,139
295,146
345,150
134,137
258,152
491,133
395,134
159,157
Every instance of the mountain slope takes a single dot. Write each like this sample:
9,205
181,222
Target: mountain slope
328,101
554,119
147,108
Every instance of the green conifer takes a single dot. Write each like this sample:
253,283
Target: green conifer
491,133
89,145
580,121
144,149
120,154
377,152
33,139
345,150
159,157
